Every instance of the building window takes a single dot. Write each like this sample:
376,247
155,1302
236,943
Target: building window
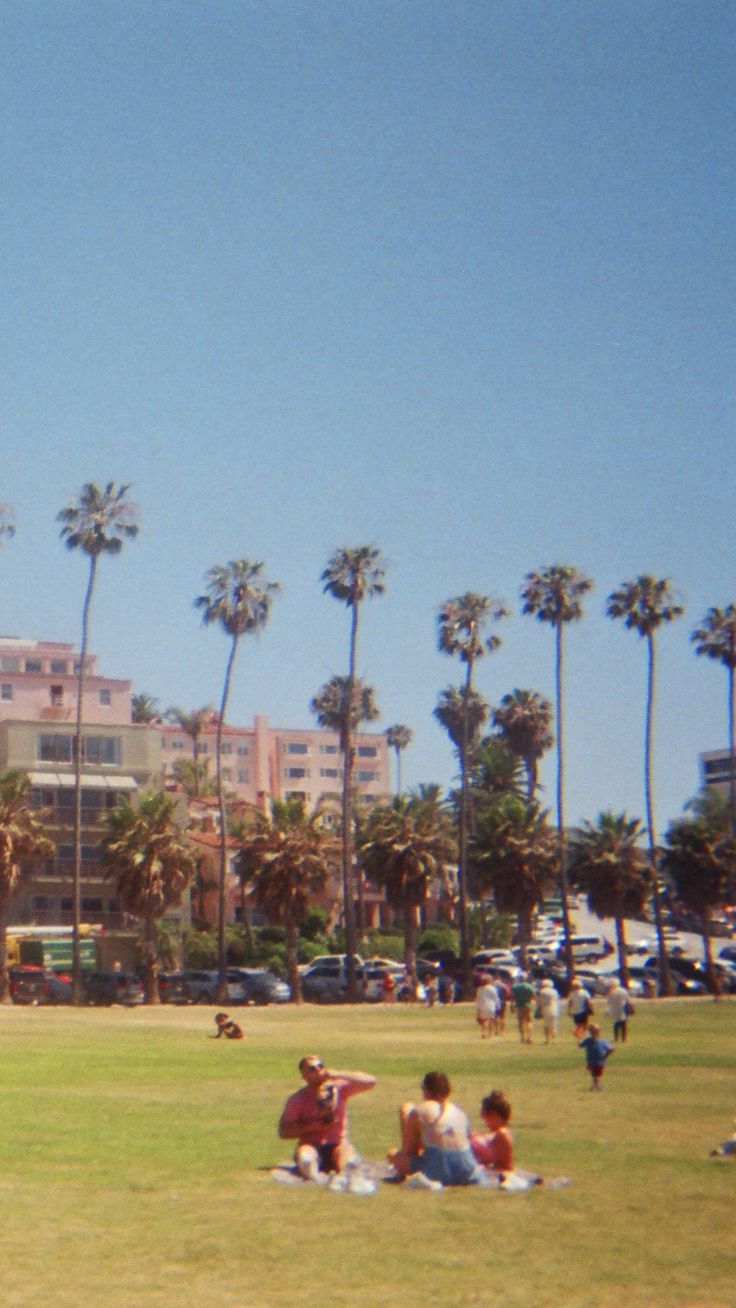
297,794
296,772
227,747
6,690
366,776
201,747
113,905
65,853
227,774
177,743
329,772
9,663
67,905
56,694
92,905
242,749
242,776
41,903
54,749
59,667
297,747
328,749
34,665
105,698
367,751
101,749
90,854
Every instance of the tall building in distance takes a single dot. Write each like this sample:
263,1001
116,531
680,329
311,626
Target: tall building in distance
38,697
715,769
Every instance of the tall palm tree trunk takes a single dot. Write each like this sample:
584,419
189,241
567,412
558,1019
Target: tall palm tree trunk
462,844
410,953
665,980
4,984
708,954
150,963
623,967
561,841
222,882
732,764
348,887
77,874
292,960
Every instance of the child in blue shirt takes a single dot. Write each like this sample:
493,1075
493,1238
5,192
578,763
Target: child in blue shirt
596,1053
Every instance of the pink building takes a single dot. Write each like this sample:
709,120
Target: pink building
38,681
261,763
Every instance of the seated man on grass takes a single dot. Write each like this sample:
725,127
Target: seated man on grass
316,1117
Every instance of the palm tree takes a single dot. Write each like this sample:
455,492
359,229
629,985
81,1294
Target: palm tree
22,836
98,522
406,844
461,626
609,866
495,772
285,860
461,713
398,738
144,709
716,638
7,522
644,605
523,720
192,724
330,706
554,596
698,861
152,865
514,853
351,576
239,600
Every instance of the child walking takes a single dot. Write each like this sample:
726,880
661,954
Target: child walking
596,1053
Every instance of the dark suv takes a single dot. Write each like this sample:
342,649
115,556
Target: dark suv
27,985
105,988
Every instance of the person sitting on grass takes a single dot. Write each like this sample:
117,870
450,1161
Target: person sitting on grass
494,1150
435,1140
596,1053
227,1028
316,1117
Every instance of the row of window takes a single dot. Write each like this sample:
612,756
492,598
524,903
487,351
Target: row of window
56,695
176,742
301,747
90,905
56,667
95,749
296,774
62,800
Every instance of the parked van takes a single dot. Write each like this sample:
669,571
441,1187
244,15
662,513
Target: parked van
588,948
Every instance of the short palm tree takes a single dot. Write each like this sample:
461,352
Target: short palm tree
523,721
351,576
285,859
554,595
238,599
192,723
144,709
398,738
610,867
461,626
152,865
698,861
644,605
22,838
462,714
330,706
406,844
98,522
716,638
513,853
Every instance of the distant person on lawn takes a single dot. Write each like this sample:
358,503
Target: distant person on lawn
522,993
316,1117
495,1149
227,1028
596,1053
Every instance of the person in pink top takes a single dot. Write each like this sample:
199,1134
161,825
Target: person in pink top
316,1117
496,1149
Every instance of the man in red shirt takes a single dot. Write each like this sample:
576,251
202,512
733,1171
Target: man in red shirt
316,1117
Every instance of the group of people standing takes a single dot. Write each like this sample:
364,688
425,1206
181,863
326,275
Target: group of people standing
437,1147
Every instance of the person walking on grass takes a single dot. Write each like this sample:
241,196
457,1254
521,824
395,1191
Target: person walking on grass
620,1009
522,993
596,1053
486,1007
316,1117
548,1002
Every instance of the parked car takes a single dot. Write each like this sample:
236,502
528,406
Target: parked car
58,988
258,986
27,984
202,986
172,988
587,949
327,983
105,988
373,973
727,954
494,958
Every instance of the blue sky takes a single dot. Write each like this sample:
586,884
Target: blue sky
453,279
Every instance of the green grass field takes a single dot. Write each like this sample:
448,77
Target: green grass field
134,1154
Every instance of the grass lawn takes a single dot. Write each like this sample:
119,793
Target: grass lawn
133,1153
